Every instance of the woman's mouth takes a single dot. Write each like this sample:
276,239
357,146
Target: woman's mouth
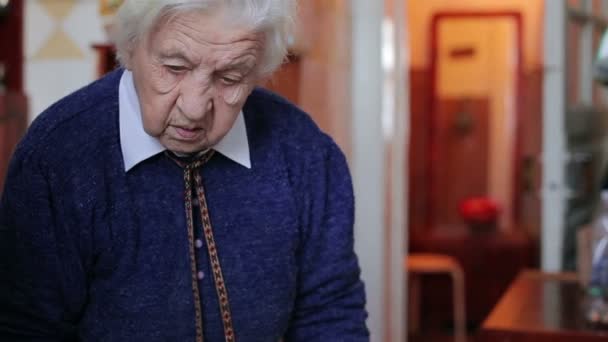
189,134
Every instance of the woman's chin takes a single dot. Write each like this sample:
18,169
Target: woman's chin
184,147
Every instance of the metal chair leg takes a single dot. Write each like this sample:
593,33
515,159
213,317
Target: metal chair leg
460,329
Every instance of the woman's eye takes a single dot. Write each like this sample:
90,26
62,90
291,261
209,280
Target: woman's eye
227,80
176,68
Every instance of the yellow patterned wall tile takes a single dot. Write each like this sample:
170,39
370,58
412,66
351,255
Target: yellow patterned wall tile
109,7
58,9
59,46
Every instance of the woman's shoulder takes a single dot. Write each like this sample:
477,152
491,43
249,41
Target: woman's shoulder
282,127
79,119
269,114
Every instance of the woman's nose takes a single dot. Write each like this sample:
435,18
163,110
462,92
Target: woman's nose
196,99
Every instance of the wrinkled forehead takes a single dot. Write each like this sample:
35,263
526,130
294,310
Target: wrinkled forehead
219,23
196,34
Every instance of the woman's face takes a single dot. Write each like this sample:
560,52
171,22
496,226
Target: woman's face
192,76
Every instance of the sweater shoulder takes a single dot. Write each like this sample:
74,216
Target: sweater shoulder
291,134
287,123
78,120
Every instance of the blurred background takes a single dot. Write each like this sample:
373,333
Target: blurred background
475,131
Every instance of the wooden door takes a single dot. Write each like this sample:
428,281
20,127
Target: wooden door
474,113
462,153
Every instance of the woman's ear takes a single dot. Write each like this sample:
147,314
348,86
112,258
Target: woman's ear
131,54
128,59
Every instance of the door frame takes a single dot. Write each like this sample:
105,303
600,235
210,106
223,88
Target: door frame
433,53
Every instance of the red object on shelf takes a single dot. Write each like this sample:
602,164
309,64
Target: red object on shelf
479,210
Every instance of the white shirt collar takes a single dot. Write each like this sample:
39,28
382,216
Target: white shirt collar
138,146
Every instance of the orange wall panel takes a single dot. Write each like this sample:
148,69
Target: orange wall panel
420,12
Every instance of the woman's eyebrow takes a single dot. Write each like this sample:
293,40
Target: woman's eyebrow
174,54
239,63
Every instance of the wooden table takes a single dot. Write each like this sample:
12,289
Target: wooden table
490,262
540,307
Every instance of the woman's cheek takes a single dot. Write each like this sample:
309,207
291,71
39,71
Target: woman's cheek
234,94
167,82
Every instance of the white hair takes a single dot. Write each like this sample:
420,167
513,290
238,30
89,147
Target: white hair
273,18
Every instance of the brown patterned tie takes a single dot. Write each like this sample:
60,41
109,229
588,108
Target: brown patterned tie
192,177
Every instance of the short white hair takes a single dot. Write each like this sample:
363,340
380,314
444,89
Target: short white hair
273,18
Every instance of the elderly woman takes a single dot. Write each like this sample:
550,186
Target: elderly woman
173,200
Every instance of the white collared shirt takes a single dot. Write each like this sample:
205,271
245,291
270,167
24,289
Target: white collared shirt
137,145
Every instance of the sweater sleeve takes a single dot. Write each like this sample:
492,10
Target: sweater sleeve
39,290
330,303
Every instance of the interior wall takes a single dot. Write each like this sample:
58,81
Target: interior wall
325,66
59,58
419,16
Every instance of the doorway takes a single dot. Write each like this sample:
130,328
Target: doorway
473,128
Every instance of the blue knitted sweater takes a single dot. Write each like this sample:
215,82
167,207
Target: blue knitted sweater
89,252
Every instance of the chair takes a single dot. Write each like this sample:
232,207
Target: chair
584,250
418,264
